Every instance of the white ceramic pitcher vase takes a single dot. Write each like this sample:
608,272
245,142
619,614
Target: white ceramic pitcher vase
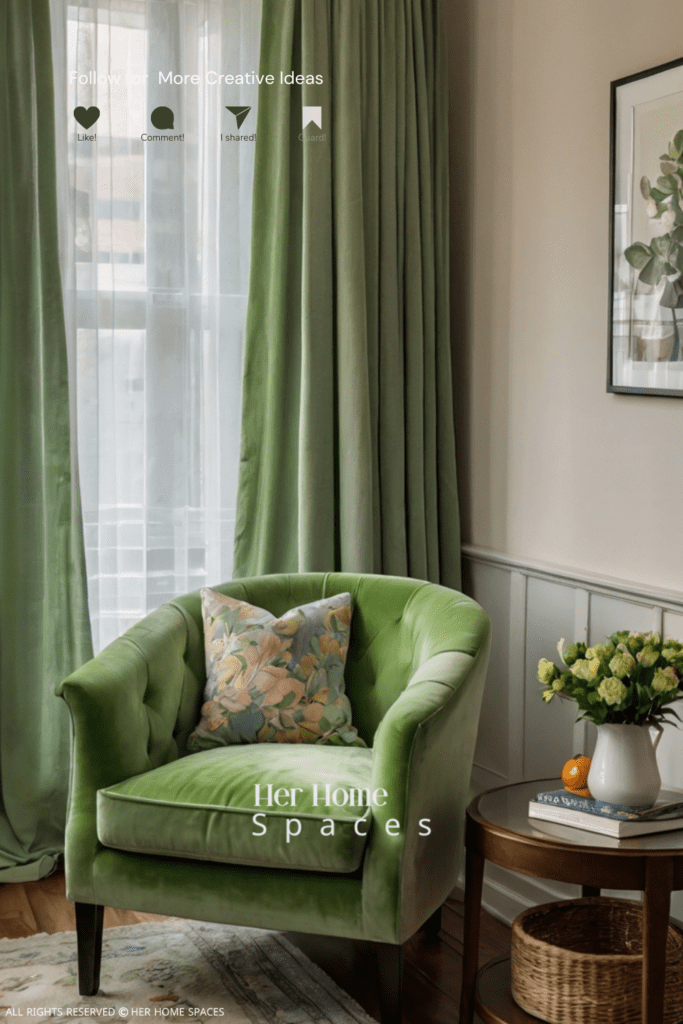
624,766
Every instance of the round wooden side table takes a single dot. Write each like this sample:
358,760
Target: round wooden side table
498,829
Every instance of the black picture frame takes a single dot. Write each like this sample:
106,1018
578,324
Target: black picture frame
645,341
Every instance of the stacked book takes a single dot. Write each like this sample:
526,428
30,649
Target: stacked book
617,820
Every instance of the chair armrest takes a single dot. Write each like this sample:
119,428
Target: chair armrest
124,707
422,757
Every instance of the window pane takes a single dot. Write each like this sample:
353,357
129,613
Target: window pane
155,286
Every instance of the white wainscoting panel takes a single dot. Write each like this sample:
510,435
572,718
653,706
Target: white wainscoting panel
548,606
609,613
531,606
494,589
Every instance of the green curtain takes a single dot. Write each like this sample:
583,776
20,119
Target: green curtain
44,627
348,450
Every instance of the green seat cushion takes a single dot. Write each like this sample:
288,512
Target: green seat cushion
202,806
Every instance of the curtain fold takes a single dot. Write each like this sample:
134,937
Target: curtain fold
44,627
348,448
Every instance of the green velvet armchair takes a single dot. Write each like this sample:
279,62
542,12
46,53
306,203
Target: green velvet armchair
154,828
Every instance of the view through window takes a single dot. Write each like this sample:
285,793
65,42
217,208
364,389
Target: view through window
156,236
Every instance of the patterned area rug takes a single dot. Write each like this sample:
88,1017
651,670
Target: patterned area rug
173,970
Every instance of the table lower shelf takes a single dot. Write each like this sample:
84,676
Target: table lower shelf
493,1000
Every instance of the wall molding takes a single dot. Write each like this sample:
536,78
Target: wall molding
595,582
504,901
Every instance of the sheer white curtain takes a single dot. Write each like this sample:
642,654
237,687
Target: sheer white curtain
155,272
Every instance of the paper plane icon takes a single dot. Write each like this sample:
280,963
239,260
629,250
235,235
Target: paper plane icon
240,114
313,114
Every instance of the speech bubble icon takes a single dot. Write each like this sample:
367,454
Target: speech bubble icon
162,117
86,118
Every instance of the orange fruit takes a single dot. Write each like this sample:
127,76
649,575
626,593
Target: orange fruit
575,775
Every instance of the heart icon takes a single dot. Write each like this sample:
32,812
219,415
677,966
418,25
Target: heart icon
86,118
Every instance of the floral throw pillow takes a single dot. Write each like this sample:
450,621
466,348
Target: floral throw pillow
273,680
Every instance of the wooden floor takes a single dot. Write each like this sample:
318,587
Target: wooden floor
431,973
431,989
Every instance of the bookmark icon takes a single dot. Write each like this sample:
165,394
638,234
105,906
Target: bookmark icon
314,114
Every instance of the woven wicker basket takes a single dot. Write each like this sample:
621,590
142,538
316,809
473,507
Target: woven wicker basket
580,962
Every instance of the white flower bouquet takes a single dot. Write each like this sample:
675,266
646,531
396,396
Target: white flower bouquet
628,680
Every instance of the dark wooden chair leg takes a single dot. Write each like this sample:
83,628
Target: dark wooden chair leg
89,920
432,926
589,890
390,970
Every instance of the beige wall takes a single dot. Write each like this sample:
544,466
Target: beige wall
551,466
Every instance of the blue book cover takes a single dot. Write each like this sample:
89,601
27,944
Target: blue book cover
619,812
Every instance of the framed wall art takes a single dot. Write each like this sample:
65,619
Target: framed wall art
646,233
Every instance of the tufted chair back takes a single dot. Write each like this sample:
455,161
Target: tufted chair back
387,641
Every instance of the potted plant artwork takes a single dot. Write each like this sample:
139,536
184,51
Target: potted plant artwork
659,262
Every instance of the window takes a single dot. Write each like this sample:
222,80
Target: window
156,239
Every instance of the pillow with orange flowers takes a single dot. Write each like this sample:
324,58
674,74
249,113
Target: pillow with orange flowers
273,680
